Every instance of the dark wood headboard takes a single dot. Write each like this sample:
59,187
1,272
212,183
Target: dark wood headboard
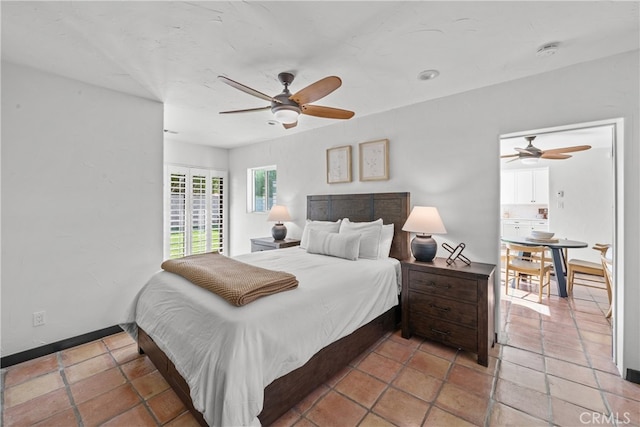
393,208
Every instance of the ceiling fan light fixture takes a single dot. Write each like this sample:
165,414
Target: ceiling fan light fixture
286,114
529,160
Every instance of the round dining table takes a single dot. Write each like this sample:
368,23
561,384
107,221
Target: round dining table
557,247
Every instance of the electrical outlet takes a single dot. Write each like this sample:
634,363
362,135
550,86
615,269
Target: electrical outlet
38,318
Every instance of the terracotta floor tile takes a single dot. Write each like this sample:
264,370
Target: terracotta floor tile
150,384
331,382
304,423
361,387
106,406
462,403
166,406
89,367
525,342
290,418
523,376
567,329
577,394
571,371
596,337
32,388
601,328
565,353
64,418
334,409
568,414
184,420
470,360
558,338
523,358
138,368
617,385
126,354
28,370
380,367
626,410
437,349
413,342
116,341
438,417
604,364
524,399
471,380
421,385
96,384
503,415
598,350
78,354
401,408
372,420
138,416
36,409
392,350
429,364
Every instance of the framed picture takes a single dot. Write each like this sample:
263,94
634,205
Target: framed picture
339,164
374,160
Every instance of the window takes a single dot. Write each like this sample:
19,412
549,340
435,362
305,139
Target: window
194,213
261,188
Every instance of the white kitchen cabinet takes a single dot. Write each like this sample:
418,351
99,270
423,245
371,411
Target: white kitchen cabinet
523,227
524,186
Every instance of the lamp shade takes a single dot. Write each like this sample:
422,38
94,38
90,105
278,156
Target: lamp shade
279,213
425,221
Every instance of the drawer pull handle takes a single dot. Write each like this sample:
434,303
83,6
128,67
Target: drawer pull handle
437,307
436,285
437,331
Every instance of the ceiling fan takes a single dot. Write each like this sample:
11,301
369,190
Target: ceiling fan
531,154
287,107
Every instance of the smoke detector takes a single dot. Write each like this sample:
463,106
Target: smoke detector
547,49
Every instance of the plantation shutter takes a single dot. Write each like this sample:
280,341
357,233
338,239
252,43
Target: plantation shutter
196,209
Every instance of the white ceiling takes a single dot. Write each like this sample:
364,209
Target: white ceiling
173,51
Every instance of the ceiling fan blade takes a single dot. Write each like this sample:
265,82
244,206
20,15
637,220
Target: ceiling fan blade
317,90
509,155
555,156
247,89
525,151
567,149
290,125
326,112
248,110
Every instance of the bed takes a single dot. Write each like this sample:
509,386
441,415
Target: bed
295,372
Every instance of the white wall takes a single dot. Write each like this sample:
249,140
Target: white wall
81,205
445,152
195,155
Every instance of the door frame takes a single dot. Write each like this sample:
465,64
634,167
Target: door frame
617,152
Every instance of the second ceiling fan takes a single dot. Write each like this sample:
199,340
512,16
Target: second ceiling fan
531,153
287,107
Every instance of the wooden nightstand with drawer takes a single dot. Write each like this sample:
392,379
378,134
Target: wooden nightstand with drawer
452,304
268,243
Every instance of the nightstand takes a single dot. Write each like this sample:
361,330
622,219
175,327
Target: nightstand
267,243
452,304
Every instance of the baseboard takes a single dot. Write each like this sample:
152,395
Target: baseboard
633,376
34,353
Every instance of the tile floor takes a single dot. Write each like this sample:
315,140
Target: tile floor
552,368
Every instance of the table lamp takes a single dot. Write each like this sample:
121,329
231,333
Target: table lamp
279,213
424,221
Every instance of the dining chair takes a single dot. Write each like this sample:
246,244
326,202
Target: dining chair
530,261
595,269
607,266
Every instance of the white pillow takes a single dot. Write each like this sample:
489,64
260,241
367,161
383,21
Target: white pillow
370,233
386,239
328,226
339,245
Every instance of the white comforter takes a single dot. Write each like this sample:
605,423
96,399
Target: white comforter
229,354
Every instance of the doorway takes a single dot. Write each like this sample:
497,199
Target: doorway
581,202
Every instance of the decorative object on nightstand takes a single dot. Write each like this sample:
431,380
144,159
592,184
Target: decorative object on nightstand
452,304
456,253
424,221
279,213
259,244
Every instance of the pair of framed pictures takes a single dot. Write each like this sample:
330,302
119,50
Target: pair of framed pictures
374,162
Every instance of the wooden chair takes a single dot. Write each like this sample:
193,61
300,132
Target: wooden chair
608,279
587,267
530,261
